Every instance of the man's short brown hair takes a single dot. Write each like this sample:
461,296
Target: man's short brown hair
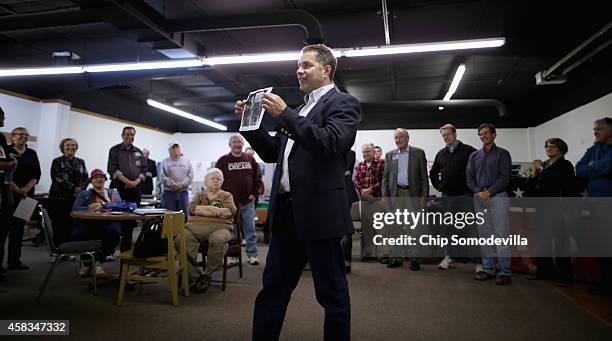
324,56
449,126
487,125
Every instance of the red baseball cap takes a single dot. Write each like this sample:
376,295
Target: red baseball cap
97,172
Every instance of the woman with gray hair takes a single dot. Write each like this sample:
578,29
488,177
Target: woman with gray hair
68,177
211,215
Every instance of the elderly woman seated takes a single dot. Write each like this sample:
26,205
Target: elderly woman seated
96,198
211,215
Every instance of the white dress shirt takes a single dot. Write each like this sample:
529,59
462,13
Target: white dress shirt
311,99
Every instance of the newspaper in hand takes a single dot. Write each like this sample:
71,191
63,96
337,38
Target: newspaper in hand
253,110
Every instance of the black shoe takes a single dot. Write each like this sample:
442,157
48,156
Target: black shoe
2,270
538,276
503,280
201,284
599,291
347,269
483,276
383,260
394,263
415,265
19,266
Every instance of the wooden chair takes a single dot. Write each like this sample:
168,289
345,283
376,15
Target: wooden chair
234,250
173,225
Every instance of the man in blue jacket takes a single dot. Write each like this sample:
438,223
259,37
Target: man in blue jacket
309,211
596,167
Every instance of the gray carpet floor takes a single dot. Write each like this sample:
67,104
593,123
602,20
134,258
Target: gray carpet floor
387,304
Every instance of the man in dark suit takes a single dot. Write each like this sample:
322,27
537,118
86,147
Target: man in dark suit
147,186
309,210
405,176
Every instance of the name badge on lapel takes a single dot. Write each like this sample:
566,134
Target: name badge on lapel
395,157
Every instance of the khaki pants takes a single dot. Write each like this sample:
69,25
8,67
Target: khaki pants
217,235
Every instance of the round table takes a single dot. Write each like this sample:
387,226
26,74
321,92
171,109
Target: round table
106,215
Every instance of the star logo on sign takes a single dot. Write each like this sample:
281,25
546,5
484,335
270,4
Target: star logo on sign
518,193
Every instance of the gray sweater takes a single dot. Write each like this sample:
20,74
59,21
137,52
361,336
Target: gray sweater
176,172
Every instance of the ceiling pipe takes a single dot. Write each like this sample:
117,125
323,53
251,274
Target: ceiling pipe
549,72
281,18
385,15
61,18
453,103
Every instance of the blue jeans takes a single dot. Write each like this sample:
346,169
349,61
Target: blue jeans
495,223
247,222
176,201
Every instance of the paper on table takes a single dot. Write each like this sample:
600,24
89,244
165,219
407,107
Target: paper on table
253,110
25,209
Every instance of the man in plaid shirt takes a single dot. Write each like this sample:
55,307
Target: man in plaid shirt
368,181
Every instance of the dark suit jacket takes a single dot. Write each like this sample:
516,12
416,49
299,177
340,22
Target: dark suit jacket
417,173
147,187
316,164
351,192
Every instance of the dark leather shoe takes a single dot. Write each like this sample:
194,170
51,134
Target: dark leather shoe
599,291
201,285
384,260
394,263
503,280
415,265
19,266
538,276
483,276
2,270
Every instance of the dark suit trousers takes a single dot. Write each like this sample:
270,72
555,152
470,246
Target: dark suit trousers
128,195
286,259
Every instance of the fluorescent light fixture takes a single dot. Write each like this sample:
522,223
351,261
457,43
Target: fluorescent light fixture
425,47
165,64
41,71
261,57
185,114
455,82
253,58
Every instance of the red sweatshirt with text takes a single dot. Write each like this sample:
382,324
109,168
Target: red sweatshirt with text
241,176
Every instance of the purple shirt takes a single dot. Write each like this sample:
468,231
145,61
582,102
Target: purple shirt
489,171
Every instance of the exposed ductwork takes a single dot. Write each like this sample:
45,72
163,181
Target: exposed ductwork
300,18
454,103
557,75
47,19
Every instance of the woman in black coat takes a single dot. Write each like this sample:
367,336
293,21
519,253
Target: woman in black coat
22,183
68,177
550,180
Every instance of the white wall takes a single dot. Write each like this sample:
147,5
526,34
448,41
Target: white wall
20,113
97,135
574,127
51,122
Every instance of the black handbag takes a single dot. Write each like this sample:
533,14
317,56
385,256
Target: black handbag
150,242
